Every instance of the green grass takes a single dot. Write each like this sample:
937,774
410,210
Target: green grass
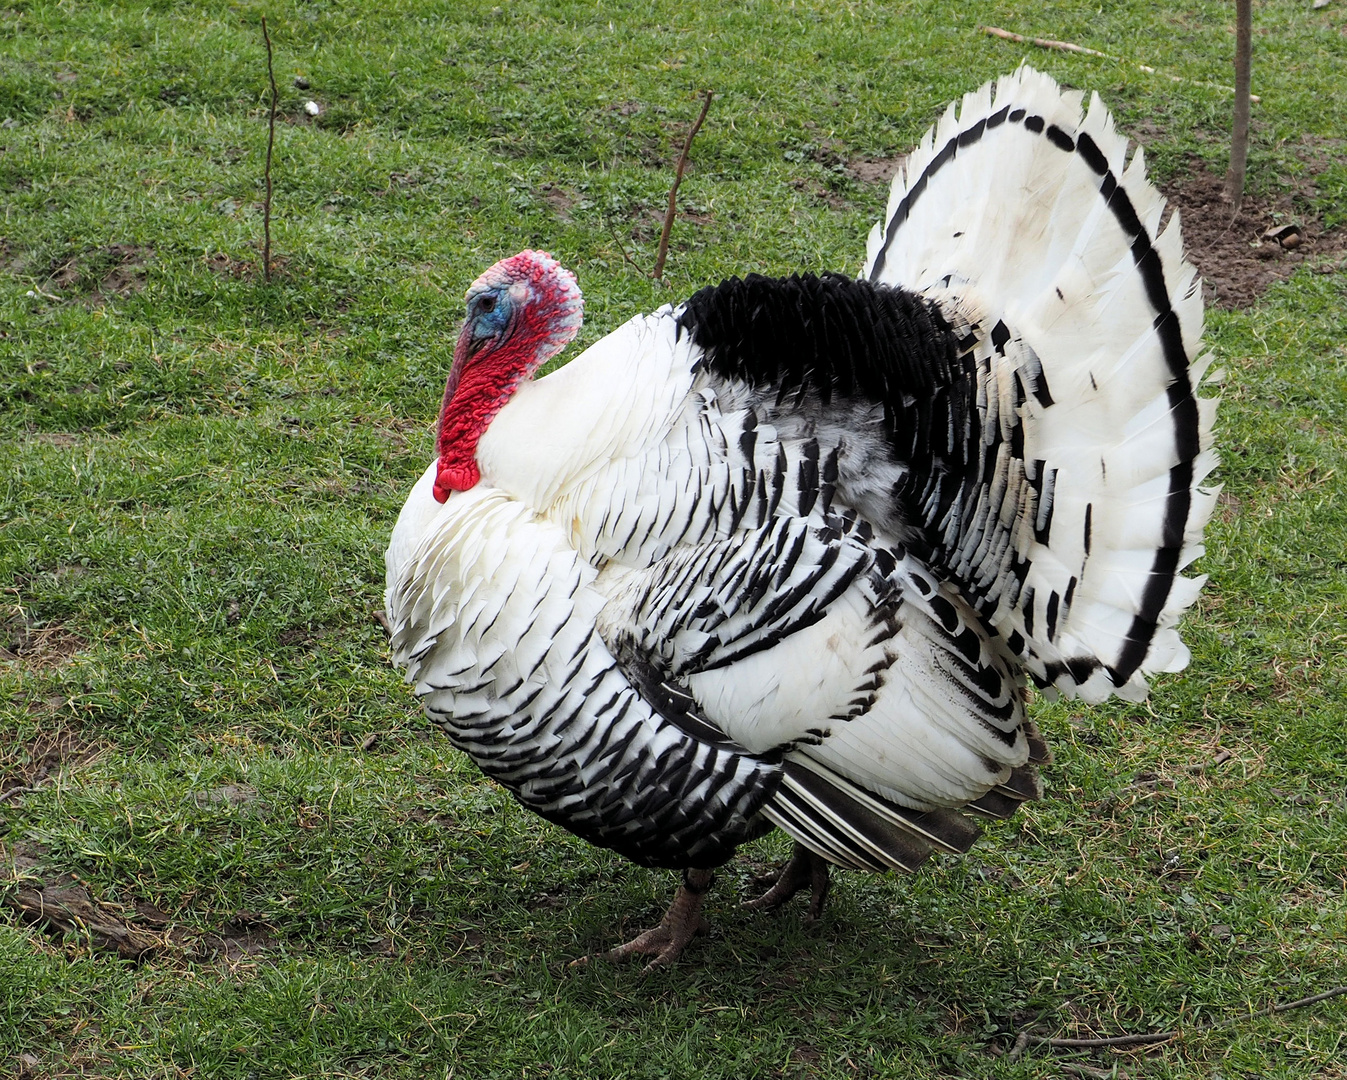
198,473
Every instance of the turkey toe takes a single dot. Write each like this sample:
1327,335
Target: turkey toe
681,923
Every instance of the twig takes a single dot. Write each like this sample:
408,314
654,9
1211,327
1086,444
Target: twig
14,792
673,191
271,142
612,229
1239,131
1044,43
1313,999
1165,1036
1078,1069
1115,1040
1021,1045
1067,46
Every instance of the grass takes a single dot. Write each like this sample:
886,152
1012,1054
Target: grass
198,473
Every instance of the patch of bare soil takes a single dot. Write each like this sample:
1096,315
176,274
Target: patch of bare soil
62,904
1239,256
228,795
875,170
226,266
817,191
11,262
36,645
400,431
101,274
302,636
26,766
423,817
559,199
646,224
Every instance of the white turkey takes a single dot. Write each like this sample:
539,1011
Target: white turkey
789,553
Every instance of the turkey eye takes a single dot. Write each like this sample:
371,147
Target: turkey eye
486,304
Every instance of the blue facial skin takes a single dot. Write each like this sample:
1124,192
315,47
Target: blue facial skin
489,315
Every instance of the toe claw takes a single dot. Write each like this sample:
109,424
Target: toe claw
681,923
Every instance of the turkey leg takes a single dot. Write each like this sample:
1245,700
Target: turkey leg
681,923
804,868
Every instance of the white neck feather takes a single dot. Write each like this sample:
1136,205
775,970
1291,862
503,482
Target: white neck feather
612,401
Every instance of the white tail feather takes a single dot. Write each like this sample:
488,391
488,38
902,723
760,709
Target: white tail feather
1017,209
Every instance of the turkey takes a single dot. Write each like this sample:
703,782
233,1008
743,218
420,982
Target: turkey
790,553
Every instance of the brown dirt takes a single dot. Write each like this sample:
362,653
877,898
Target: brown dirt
29,764
423,816
301,636
1237,265
12,262
401,181
101,274
226,266
60,903
875,170
36,645
817,191
400,431
62,440
559,199
230,794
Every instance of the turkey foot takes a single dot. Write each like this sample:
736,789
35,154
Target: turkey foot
681,923
804,868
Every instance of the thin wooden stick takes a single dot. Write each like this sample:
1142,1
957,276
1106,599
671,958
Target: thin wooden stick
612,231
1044,43
1166,1036
1068,46
1077,1069
673,191
1239,132
15,792
271,142
1116,1040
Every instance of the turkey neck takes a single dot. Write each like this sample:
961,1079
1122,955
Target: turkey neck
478,387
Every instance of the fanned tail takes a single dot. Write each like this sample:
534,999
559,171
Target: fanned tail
1020,217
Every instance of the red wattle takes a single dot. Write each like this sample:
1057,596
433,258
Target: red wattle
451,478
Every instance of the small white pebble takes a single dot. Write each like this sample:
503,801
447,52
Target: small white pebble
312,108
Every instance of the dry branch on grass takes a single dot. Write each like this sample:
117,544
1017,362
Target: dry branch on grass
1068,46
1074,1068
70,909
621,247
1154,1037
62,904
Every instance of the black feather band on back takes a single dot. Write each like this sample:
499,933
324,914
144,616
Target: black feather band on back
825,345
823,337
